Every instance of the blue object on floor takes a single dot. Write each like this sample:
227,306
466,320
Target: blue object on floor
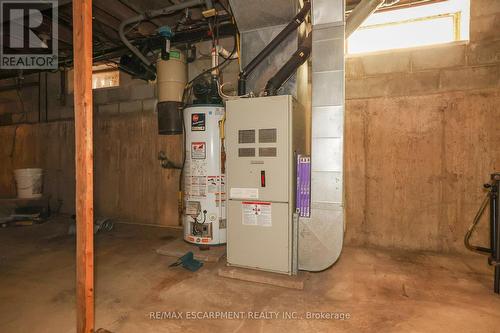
188,262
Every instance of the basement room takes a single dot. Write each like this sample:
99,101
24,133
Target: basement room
249,166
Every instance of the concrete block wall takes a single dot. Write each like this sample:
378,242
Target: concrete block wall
422,136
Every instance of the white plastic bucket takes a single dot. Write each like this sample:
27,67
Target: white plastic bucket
29,183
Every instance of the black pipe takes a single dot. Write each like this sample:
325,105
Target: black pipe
285,72
291,27
493,199
46,97
39,97
477,219
495,229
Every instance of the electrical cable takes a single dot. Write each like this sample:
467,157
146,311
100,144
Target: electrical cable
228,97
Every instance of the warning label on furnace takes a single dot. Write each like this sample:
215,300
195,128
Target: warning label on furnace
257,213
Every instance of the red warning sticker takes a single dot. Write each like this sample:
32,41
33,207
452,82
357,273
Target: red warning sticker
257,213
198,150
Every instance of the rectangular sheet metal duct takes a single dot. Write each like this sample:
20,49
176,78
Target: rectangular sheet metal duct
321,236
259,22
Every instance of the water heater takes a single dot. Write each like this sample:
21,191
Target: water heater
204,217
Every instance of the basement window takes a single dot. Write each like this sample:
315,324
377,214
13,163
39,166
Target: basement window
105,76
414,25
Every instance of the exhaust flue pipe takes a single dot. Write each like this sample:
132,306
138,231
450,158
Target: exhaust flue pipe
291,27
359,14
298,58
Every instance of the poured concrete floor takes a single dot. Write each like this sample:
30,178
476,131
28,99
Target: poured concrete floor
380,290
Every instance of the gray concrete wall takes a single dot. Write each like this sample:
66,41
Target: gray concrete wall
422,136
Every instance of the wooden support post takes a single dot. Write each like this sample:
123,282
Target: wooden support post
82,53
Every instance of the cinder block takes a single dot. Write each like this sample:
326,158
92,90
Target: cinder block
132,106
108,108
54,86
70,99
484,7
125,79
403,84
441,56
54,113
354,67
149,105
142,91
385,63
485,27
10,107
100,96
67,112
470,78
485,52
118,94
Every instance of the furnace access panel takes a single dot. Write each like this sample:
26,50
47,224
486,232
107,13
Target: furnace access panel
263,136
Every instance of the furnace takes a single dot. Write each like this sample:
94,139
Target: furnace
264,136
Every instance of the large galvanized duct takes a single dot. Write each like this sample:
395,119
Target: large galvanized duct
259,21
361,12
321,236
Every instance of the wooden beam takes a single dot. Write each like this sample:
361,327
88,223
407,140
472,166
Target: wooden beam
82,56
